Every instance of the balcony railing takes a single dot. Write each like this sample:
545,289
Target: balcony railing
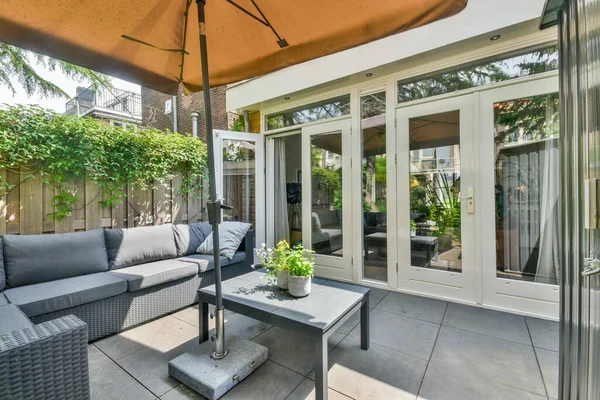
435,164
107,102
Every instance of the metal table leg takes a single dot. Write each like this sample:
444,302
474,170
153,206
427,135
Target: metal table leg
365,341
203,321
321,368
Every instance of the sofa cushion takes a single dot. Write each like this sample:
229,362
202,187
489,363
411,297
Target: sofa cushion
32,259
12,319
44,298
133,246
155,273
189,237
2,273
205,262
231,235
3,300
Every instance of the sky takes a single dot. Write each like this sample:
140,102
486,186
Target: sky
54,103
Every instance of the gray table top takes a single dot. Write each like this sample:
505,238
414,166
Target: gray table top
252,295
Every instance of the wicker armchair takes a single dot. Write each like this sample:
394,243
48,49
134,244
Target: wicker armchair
45,361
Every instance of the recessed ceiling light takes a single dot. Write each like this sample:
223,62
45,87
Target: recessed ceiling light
369,74
495,37
287,98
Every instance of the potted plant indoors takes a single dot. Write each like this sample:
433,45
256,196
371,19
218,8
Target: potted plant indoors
300,266
274,260
413,228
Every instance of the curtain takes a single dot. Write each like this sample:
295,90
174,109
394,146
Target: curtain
282,228
548,270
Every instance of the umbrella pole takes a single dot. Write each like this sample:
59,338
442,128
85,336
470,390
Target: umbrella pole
214,204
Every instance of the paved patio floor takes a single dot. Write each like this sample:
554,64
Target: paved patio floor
420,349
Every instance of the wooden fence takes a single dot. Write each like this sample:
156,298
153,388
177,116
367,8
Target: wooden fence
25,209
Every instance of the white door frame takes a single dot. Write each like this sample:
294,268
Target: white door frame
329,266
528,297
445,284
259,189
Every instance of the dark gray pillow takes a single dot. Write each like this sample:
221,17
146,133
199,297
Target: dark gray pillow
40,258
189,237
231,235
133,246
2,273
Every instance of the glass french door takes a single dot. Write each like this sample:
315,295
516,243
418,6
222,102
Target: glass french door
519,155
240,165
436,199
327,197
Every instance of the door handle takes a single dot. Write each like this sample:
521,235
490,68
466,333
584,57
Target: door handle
592,267
470,201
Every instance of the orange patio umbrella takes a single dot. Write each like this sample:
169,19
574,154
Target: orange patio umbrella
162,43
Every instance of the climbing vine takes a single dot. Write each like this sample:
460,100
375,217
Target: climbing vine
60,147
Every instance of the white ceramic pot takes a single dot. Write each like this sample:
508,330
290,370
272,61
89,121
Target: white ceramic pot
282,279
413,233
299,286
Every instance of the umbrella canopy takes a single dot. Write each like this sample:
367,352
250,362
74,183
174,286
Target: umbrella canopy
155,42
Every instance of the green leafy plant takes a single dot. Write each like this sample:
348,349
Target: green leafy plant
413,225
61,147
297,260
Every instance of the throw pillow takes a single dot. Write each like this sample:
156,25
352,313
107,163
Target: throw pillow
231,235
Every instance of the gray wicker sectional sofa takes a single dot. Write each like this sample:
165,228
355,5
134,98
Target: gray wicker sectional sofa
59,291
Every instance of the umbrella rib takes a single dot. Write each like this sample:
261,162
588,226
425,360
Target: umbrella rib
265,23
281,42
151,45
187,9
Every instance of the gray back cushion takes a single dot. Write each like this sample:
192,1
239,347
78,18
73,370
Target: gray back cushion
231,235
189,237
2,273
133,246
40,258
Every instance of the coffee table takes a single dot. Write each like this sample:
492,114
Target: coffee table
317,316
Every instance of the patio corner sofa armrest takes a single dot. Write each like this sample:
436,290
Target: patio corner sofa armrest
48,360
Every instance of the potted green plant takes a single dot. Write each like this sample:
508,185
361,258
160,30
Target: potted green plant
300,266
274,260
413,228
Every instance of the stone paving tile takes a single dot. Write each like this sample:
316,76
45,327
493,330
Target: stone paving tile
544,333
444,383
497,324
122,344
408,335
407,305
96,358
111,382
549,365
292,350
506,362
269,382
306,391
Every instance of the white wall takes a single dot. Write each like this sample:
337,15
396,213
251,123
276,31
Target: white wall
478,18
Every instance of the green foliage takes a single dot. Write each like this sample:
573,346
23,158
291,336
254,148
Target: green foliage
238,124
413,225
20,64
61,147
381,205
297,260
326,178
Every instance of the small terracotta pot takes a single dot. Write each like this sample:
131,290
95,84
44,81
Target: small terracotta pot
299,286
282,279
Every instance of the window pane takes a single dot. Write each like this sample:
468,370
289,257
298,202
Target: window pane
374,185
326,213
435,215
526,134
532,63
330,108
239,162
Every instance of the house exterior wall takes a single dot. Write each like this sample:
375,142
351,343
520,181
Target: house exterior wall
153,113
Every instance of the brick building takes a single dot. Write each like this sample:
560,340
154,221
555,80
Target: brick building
158,110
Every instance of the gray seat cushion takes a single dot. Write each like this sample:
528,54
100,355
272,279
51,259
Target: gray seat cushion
205,262
133,246
189,237
43,298
155,273
32,259
3,300
12,319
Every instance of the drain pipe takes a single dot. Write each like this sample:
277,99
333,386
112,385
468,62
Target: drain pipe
247,129
174,106
195,116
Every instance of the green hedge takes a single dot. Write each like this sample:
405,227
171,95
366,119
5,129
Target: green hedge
61,147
